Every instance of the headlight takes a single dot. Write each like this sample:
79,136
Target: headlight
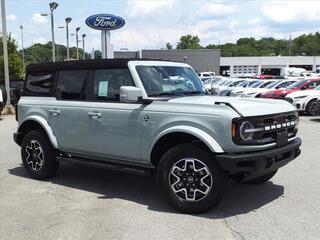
300,97
246,131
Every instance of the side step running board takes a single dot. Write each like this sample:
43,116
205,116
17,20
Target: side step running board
145,171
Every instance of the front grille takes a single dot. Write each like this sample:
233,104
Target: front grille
286,121
270,126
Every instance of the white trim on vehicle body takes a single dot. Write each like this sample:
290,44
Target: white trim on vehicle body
45,126
212,144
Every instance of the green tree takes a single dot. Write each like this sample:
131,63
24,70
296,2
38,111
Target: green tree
189,42
15,60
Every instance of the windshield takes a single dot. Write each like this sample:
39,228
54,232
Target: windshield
236,83
272,85
265,84
256,84
169,80
284,84
297,84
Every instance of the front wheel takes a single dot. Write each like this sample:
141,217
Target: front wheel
190,179
312,108
38,155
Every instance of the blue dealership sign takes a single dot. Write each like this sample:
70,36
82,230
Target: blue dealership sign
105,22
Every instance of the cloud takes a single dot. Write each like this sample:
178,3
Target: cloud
292,12
40,40
216,9
255,21
144,9
11,18
233,25
38,19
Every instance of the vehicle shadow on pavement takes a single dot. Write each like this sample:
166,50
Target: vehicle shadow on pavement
238,199
315,119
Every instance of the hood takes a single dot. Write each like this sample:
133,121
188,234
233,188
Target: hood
304,93
281,92
246,106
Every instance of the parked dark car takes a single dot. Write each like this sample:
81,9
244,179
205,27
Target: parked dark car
16,87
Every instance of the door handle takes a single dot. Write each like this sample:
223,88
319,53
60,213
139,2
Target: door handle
54,112
94,115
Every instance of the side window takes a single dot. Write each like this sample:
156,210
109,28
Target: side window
311,85
71,85
107,83
39,84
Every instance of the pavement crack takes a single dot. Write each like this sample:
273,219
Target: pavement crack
236,233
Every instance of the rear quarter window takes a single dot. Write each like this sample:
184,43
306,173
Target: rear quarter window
39,84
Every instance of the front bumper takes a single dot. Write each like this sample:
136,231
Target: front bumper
255,164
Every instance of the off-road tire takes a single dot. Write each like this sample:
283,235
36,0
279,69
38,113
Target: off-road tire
191,151
49,164
310,108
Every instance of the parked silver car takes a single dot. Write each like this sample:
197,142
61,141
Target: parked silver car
129,115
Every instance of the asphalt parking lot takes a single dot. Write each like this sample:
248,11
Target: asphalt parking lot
90,203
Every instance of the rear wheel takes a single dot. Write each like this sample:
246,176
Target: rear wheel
262,179
312,108
38,155
190,179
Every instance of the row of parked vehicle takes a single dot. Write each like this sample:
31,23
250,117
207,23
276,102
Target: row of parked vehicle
302,92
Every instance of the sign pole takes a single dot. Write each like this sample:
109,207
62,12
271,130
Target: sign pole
5,51
103,44
108,46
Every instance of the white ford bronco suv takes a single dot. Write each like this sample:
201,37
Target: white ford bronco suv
151,117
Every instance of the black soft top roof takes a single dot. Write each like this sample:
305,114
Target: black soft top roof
85,64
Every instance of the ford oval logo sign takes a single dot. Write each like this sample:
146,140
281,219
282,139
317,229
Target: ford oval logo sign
105,22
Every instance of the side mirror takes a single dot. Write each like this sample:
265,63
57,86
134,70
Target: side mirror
130,94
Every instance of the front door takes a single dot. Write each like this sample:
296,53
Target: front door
114,128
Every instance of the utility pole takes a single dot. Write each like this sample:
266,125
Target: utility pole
23,57
68,20
77,42
53,6
5,50
84,52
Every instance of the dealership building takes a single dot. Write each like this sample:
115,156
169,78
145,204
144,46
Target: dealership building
235,66
210,60
200,59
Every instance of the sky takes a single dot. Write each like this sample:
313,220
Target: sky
152,23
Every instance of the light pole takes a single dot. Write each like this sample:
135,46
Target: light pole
84,53
77,42
23,58
5,50
68,20
53,6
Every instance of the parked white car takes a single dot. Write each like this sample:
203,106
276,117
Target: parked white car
276,84
254,85
226,86
207,74
305,101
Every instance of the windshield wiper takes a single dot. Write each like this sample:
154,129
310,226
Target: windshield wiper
194,92
167,94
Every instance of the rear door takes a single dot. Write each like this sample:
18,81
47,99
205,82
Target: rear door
68,116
